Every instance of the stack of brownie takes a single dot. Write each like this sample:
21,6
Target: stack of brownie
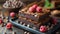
34,14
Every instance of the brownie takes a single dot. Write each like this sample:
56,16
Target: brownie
34,16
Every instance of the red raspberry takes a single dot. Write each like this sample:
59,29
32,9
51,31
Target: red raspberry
43,28
39,9
9,25
31,9
12,14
